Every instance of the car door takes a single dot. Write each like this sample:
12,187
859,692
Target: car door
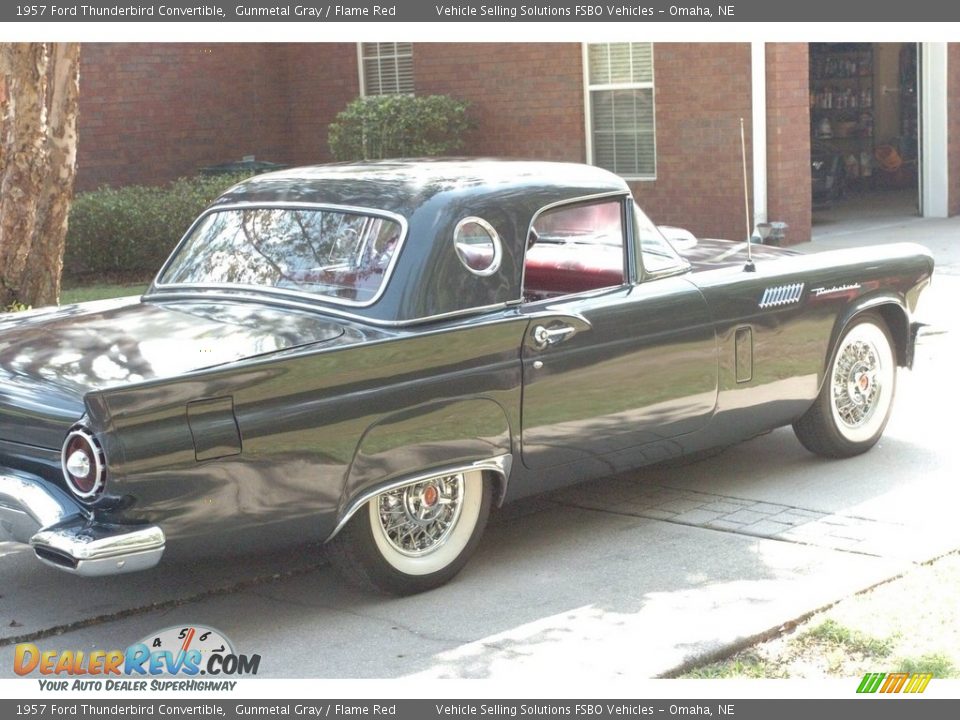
609,362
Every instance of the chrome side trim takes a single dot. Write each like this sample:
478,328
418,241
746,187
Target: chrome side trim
500,464
318,306
261,360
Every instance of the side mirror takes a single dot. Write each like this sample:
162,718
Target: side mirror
680,238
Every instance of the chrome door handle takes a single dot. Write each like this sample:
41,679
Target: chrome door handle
543,337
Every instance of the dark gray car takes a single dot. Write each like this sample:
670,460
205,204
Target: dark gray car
375,355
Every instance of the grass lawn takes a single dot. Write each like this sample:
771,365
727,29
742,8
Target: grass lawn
99,292
911,624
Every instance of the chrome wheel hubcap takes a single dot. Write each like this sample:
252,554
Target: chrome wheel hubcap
418,518
856,383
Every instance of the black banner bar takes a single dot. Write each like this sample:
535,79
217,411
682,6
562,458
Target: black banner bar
861,11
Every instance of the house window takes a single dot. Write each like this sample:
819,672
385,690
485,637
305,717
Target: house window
386,68
620,120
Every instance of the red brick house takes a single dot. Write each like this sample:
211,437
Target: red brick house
664,115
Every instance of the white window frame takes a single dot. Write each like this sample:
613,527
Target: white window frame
587,109
362,75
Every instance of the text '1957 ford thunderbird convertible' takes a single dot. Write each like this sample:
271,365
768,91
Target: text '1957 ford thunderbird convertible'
375,355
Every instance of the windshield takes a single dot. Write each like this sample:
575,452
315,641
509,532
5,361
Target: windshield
656,253
338,255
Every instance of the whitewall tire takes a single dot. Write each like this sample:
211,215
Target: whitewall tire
416,537
854,404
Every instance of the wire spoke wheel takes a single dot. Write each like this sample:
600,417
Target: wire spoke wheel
861,383
416,519
856,383
854,405
415,537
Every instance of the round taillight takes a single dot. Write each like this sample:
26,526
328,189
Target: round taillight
84,466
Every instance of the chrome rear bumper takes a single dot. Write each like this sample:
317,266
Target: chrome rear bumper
63,534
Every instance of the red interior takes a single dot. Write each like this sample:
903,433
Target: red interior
552,270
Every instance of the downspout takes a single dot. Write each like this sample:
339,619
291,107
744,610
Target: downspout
758,64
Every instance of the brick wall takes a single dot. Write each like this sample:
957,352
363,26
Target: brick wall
152,112
321,79
525,98
788,138
702,91
953,127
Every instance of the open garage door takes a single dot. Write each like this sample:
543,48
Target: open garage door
865,126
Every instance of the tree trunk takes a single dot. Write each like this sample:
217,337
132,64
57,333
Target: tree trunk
37,167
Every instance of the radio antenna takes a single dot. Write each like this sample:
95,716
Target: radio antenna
749,267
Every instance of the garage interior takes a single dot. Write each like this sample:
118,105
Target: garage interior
864,127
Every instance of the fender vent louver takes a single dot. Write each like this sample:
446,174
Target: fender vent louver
781,295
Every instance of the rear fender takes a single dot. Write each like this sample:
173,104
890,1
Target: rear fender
496,468
432,439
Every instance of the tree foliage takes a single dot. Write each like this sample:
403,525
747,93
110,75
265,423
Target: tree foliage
386,126
39,84
125,234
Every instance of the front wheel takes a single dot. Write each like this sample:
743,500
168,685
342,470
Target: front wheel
854,404
416,537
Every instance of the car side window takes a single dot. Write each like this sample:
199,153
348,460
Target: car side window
573,249
656,253
478,246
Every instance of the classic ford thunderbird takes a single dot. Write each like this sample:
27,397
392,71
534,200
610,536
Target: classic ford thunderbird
375,355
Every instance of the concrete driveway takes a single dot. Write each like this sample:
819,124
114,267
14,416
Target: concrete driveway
632,577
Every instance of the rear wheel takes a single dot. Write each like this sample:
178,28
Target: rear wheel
414,538
854,404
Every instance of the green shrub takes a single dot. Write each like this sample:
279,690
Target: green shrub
124,234
398,126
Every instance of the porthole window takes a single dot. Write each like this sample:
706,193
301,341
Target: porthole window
478,246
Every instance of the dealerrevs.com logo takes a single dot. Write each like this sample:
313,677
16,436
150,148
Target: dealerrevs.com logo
184,652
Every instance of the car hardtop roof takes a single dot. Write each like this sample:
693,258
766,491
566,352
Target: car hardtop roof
403,186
